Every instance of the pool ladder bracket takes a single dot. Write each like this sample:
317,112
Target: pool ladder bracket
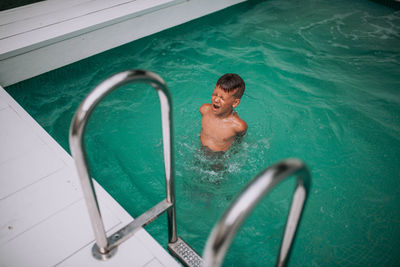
103,256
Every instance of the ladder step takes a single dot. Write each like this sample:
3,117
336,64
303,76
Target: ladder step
185,253
129,230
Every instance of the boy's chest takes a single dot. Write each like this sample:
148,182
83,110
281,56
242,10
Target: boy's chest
217,128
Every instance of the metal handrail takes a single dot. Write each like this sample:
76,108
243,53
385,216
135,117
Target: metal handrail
224,231
106,247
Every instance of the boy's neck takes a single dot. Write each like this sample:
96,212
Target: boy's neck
226,115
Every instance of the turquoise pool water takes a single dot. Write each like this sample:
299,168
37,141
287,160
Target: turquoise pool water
323,81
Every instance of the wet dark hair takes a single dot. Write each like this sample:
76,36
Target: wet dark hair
230,82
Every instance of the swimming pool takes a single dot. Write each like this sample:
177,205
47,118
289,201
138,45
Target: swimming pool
322,85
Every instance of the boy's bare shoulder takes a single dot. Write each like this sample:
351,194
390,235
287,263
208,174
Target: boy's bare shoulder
240,125
205,108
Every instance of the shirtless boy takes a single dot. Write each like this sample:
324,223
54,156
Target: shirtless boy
220,124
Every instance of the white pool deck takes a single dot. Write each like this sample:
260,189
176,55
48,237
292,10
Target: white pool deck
43,216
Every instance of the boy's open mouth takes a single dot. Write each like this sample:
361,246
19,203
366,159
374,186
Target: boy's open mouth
216,106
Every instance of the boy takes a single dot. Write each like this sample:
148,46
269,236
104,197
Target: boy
220,124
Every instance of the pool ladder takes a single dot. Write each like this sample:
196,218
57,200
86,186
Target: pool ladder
224,231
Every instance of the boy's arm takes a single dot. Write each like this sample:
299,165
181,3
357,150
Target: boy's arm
241,131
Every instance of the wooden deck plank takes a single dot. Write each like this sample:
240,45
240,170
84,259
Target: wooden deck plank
36,9
38,163
36,203
49,242
29,22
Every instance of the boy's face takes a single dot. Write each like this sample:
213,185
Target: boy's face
222,102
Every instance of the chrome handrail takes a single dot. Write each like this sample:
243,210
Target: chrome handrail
224,231
106,247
